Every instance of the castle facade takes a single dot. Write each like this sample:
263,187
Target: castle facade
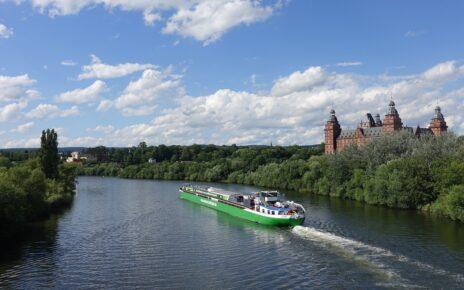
337,139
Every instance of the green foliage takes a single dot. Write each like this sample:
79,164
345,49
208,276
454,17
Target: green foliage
4,161
355,188
450,203
49,153
447,172
454,203
26,195
252,156
401,183
200,162
16,155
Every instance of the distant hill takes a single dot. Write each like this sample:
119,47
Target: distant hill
81,149
62,149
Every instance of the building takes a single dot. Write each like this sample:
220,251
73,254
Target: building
337,139
75,158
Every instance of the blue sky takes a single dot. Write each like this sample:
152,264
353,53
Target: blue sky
115,72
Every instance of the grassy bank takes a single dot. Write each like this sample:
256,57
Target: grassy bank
398,171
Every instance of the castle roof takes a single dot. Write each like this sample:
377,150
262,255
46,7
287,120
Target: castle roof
347,134
368,132
378,122
438,114
423,131
391,108
332,116
417,130
373,132
377,132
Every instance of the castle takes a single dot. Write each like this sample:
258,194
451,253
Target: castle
337,139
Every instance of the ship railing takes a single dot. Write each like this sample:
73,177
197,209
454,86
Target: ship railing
206,194
203,191
232,203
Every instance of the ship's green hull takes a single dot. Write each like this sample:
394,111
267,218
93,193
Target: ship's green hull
240,212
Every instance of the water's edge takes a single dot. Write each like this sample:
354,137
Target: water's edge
123,233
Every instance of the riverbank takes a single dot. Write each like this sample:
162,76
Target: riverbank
28,196
120,231
397,171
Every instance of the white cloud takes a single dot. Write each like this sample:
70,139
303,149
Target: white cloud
85,141
204,20
12,111
209,20
253,78
23,127
104,105
293,111
43,111
443,71
414,33
298,115
23,143
299,81
78,96
139,96
150,18
349,63
32,94
15,87
97,69
139,111
68,62
105,129
5,32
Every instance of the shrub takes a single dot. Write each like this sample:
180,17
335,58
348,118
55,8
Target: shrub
454,203
402,183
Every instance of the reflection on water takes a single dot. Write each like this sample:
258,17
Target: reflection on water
129,233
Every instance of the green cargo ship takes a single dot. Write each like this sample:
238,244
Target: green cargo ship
264,207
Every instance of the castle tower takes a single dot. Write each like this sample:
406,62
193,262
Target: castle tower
392,121
332,131
438,124
378,122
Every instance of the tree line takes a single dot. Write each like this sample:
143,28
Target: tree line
194,163
397,170
31,188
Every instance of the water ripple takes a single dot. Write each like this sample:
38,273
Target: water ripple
134,234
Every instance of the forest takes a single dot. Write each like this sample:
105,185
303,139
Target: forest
32,186
397,170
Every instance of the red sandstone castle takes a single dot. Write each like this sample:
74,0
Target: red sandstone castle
337,140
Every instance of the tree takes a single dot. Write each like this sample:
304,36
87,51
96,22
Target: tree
143,145
49,153
454,203
401,183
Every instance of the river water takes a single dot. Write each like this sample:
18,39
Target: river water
138,234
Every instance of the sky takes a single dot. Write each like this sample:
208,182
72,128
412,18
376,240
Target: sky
117,72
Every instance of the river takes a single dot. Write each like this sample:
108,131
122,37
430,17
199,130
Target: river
138,234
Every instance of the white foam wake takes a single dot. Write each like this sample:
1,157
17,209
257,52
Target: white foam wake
337,241
375,257
360,252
